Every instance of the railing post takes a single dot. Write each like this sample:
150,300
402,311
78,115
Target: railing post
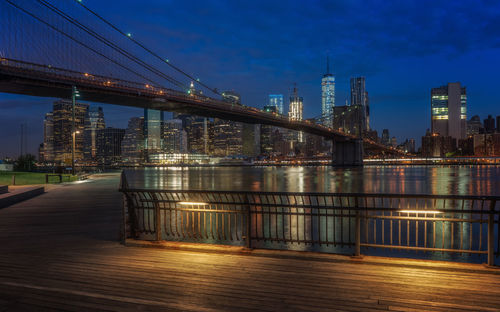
157,218
248,239
491,234
357,246
13,179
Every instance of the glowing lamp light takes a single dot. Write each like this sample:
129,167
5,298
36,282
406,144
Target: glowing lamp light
420,211
129,35
192,203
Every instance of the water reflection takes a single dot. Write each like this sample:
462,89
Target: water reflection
459,180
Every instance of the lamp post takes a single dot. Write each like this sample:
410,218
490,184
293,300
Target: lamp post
73,152
74,95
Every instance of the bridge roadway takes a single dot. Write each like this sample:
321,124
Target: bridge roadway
61,252
46,81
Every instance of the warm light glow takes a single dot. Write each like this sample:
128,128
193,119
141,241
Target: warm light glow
420,211
192,204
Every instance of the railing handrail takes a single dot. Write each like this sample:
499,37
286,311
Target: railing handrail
370,195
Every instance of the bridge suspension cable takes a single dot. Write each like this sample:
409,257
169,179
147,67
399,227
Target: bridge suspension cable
112,45
78,41
163,60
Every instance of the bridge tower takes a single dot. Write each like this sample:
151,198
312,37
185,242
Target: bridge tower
348,152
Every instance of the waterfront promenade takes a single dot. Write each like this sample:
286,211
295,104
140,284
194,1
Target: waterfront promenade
61,251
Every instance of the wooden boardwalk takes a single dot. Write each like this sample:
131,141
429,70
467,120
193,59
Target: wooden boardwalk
60,251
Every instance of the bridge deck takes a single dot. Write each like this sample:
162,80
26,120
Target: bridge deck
59,251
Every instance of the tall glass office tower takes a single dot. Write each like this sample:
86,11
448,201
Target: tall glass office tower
449,110
276,100
327,96
153,120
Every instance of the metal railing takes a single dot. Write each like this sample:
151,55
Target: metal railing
331,222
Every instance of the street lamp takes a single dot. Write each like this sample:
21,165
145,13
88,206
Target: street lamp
73,152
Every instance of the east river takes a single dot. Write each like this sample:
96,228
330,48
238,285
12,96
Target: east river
442,180
435,180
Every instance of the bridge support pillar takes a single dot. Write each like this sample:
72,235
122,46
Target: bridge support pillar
348,153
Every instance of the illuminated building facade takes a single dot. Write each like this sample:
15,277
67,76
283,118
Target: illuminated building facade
295,112
153,122
174,137
133,142
327,96
276,100
94,121
63,137
449,111
266,132
48,138
227,138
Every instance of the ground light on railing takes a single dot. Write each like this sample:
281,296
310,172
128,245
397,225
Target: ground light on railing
420,211
192,203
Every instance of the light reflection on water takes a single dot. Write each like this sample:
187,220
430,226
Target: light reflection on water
443,180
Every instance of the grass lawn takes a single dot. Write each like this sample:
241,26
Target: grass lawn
24,178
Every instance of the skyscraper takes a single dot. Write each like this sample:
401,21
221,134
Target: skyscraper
48,138
94,121
276,100
296,110
133,141
175,138
153,120
327,96
489,124
63,141
359,97
449,111
108,143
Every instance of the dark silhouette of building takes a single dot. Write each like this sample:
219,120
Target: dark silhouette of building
359,97
474,126
109,142
434,145
349,119
489,124
385,137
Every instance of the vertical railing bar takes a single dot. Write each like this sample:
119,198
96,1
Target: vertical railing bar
471,215
392,220
434,228
399,222
461,226
481,224
408,223
349,213
416,224
326,217
491,233
334,221
297,215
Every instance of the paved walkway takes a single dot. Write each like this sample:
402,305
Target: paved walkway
60,251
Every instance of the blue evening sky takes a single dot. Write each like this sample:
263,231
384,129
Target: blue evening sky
403,48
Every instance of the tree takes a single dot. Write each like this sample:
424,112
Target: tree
25,162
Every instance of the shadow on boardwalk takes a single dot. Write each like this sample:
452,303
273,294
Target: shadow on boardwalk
61,251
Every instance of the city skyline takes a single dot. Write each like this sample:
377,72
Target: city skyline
256,76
